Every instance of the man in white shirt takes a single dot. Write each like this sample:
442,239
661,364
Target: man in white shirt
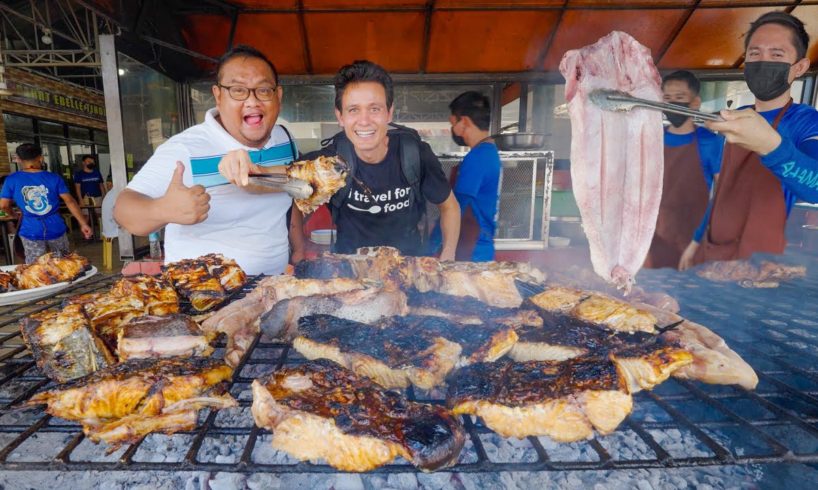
180,188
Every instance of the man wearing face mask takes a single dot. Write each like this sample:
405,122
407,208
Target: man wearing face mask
89,185
771,158
692,159
475,181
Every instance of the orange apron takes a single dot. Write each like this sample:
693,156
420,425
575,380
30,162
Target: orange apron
749,210
684,202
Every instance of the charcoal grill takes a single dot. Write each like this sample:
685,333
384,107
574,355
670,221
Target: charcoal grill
679,424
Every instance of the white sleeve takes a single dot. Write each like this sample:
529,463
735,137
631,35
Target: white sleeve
153,178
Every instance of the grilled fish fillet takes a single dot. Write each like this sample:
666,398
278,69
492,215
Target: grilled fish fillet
365,305
644,360
490,282
595,308
63,344
325,174
8,282
158,295
162,336
124,402
565,400
319,410
467,310
713,360
399,351
205,281
49,269
239,320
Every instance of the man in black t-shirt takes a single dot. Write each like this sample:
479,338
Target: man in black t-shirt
379,206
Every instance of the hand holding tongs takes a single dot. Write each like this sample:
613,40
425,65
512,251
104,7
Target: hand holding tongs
296,188
614,100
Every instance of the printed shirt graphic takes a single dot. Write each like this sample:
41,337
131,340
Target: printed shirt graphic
37,194
250,228
388,214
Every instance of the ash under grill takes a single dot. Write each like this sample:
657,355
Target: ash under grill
679,424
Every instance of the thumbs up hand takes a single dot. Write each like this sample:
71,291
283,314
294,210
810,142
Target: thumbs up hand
186,205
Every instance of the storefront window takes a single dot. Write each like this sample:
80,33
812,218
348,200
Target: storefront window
14,122
81,134
100,137
201,98
51,129
149,111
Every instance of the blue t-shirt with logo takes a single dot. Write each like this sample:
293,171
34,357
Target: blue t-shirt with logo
89,182
37,194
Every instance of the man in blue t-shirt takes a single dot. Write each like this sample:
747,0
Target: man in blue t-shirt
476,180
35,192
771,158
692,159
88,182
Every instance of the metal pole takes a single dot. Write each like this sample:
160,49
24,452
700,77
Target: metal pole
116,140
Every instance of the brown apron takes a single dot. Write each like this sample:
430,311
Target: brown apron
749,210
684,202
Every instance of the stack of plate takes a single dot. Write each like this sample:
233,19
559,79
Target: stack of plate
322,237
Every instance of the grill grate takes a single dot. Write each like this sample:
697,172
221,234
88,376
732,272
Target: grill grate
679,424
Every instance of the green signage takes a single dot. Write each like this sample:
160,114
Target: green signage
33,95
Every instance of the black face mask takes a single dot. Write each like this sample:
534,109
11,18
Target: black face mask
677,119
458,140
767,79
91,166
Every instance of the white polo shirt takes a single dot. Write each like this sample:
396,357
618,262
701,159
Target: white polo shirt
250,228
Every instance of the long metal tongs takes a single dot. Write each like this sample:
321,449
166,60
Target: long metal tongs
297,188
614,100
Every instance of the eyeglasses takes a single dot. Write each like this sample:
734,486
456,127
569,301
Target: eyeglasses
237,92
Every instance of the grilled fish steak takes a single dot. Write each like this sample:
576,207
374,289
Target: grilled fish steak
125,402
325,174
490,282
596,308
565,400
645,360
49,269
713,360
162,336
320,410
240,319
401,350
464,309
8,282
156,294
364,305
63,344
747,274
205,281
393,358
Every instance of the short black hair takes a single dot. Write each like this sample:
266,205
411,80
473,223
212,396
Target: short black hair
244,51
28,151
800,38
473,105
685,76
362,71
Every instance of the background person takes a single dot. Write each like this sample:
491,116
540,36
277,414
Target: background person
37,193
476,180
692,160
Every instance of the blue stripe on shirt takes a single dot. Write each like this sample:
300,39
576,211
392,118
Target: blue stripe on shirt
205,170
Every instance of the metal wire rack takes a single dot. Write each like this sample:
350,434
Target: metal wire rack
679,424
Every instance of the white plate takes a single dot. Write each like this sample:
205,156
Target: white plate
23,295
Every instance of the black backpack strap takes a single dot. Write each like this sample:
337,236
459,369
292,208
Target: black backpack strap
344,149
292,143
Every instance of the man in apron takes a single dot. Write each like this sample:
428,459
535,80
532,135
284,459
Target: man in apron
692,158
771,156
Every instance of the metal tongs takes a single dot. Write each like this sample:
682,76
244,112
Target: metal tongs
614,100
297,188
